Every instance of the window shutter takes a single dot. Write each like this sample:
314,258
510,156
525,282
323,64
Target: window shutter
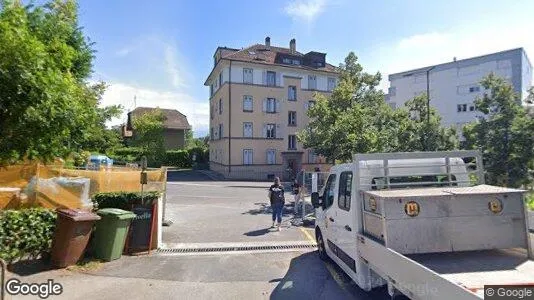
265,105
264,130
264,77
278,131
277,108
278,79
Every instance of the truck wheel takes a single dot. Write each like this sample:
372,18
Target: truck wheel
320,245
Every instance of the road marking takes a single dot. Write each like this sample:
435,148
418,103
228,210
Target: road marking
193,184
307,234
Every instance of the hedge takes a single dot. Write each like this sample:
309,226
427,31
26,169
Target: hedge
177,158
26,232
123,200
172,158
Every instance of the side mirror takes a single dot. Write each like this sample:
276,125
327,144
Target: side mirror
316,199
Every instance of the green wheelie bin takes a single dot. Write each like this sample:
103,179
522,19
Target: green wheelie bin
111,232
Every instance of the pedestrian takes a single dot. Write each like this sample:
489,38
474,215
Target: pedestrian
277,198
296,192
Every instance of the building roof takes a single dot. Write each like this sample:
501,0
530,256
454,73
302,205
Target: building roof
462,62
271,55
173,118
259,53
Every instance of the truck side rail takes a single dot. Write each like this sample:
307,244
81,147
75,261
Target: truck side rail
407,276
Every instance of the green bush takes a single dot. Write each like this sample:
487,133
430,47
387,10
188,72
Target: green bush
529,198
123,200
26,232
131,151
177,158
202,154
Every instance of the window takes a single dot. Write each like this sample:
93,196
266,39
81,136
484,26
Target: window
461,107
247,76
247,156
271,156
292,118
296,62
471,108
270,105
271,78
286,61
292,93
312,157
331,83
247,129
220,131
247,104
220,78
211,134
474,89
220,106
329,190
345,188
292,142
271,131
211,90
312,82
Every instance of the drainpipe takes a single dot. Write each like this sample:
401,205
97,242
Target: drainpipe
230,119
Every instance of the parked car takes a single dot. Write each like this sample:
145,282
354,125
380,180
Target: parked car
98,161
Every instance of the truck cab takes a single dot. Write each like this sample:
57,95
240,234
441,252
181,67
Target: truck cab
399,206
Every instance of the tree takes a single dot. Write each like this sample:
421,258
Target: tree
356,119
47,107
417,133
504,134
148,134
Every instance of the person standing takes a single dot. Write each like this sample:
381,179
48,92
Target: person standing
277,199
296,192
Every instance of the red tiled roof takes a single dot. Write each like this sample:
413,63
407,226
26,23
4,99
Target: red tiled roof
262,54
173,118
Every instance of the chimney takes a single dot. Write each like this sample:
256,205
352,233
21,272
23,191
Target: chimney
454,59
267,42
293,45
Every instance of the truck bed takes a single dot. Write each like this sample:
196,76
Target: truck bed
474,269
450,275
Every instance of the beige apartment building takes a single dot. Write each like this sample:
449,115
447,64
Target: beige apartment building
259,96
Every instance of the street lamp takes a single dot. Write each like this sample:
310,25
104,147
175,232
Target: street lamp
428,101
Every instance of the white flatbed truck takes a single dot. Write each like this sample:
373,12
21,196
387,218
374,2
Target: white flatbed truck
424,224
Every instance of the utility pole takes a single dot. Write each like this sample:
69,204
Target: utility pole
428,103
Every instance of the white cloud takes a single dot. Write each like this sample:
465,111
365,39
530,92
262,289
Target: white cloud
197,112
305,10
171,66
423,40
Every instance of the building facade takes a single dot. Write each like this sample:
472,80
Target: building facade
455,85
259,96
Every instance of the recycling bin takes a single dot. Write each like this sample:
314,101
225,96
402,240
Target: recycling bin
73,229
111,232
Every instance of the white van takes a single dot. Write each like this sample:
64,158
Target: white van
423,223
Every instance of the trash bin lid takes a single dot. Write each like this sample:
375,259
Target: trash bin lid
77,214
115,212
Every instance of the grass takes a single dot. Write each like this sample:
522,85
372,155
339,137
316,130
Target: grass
86,265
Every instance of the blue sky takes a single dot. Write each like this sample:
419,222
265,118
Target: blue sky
161,51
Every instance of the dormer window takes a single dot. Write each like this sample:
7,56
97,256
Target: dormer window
286,61
296,62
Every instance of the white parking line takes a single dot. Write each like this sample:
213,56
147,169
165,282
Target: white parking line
193,184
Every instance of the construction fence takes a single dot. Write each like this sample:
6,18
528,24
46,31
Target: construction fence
34,184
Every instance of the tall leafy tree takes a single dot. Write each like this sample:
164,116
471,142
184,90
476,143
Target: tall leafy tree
504,133
356,119
148,134
47,107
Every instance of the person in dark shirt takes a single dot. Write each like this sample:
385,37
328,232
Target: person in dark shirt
277,199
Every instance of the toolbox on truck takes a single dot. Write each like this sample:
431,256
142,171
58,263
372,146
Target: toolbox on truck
445,219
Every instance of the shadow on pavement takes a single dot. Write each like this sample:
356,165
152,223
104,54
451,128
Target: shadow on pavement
30,267
187,175
308,278
257,232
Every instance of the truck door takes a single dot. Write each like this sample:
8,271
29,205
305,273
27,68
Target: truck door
329,216
345,221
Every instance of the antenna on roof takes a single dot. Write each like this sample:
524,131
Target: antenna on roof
135,101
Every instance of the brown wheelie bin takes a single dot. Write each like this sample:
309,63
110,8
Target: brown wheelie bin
73,229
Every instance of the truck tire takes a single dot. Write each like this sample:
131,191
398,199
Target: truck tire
321,250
